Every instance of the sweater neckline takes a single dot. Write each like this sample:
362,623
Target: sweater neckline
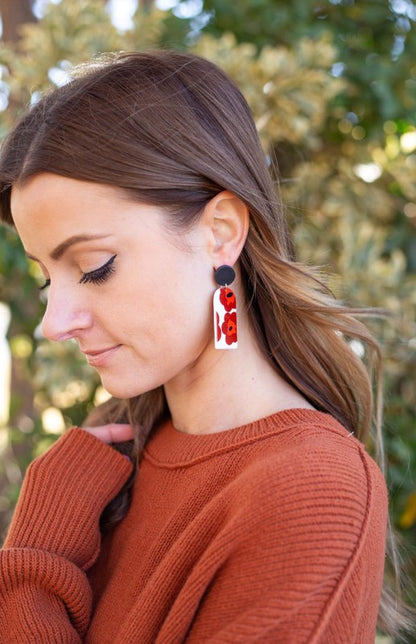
169,447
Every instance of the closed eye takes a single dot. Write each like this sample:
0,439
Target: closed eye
99,275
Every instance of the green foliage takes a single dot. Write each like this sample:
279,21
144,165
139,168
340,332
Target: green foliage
374,39
332,86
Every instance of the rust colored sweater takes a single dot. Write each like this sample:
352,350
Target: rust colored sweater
270,532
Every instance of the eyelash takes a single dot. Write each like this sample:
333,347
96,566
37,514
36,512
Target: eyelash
97,276
45,285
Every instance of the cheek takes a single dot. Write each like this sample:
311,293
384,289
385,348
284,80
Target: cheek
190,296
176,306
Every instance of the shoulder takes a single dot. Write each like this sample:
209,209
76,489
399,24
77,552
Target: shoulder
314,469
308,523
315,501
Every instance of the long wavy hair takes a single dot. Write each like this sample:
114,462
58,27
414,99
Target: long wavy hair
171,129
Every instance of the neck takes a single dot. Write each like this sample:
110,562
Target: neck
229,388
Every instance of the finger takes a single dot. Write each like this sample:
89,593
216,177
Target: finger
112,433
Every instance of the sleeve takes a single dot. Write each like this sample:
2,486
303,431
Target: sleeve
302,556
54,538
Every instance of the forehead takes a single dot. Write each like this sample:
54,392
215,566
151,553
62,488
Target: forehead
49,208
48,201
40,192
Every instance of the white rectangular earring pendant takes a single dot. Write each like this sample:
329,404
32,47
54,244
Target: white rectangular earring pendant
225,319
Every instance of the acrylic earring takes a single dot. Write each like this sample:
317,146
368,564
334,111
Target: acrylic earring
225,310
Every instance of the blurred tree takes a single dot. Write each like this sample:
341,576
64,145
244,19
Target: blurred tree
13,15
332,86
374,40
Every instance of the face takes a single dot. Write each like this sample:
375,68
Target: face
134,295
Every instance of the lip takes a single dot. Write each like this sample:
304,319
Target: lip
98,357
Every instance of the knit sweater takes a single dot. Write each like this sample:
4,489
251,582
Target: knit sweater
270,532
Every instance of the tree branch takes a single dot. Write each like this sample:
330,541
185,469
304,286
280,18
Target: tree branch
13,15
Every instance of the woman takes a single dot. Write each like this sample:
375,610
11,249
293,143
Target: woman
256,514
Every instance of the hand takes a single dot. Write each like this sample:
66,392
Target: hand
112,433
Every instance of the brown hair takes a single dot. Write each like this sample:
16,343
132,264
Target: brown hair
172,130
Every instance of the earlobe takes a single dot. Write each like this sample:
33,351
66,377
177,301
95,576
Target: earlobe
227,218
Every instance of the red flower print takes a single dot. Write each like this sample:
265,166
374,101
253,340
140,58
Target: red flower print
227,298
229,327
217,319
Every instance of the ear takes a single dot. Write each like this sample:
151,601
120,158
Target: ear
226,219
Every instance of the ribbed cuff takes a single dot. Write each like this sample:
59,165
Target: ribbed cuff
63,495
39,572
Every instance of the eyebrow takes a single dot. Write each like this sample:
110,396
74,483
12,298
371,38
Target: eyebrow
61,249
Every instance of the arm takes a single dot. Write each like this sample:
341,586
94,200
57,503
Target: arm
54,539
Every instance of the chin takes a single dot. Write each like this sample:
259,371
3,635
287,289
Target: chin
125,390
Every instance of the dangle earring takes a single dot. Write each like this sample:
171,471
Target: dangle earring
225,310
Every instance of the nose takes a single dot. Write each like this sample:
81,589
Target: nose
66,316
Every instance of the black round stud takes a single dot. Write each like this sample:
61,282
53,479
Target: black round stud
224,275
